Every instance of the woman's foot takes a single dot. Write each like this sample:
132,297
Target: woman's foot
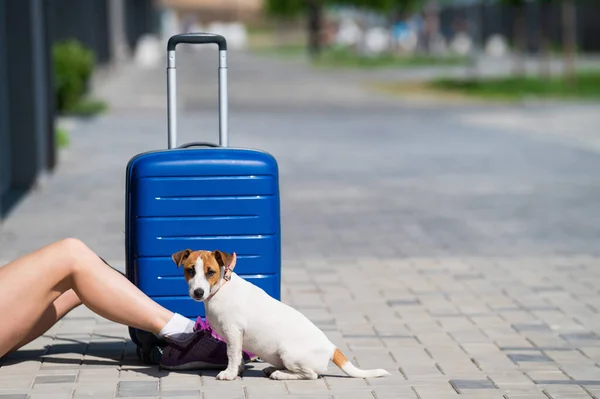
198,350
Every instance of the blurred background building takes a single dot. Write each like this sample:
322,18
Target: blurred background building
219,10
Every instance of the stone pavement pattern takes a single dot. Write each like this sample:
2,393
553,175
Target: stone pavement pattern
453,248
444,327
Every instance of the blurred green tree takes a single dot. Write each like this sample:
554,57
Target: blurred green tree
384,6
285,8
543,38
569,30
315,9
569,38
519,34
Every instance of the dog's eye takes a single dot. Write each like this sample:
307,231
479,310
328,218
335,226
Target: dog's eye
192,272
210,273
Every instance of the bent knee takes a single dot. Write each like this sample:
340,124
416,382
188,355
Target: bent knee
73,250
73,245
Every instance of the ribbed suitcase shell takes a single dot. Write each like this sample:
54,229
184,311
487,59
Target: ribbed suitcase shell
207,198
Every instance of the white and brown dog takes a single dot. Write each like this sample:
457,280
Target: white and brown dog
247,317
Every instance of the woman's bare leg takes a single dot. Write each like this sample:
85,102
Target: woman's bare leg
32,283
56,311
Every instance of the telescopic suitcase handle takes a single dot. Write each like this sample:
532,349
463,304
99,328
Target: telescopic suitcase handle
196,38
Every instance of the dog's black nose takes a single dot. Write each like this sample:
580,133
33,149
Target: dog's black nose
198,292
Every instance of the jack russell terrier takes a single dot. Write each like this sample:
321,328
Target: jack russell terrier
247,317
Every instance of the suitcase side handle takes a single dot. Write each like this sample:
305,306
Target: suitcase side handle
196,38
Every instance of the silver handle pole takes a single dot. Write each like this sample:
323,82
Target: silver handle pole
223,100
171,100
199,38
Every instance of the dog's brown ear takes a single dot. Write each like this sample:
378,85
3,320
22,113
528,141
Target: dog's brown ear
181,256
223,258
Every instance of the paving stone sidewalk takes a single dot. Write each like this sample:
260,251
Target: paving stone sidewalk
444,327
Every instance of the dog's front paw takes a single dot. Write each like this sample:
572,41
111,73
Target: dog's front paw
227,375
269,370
278,375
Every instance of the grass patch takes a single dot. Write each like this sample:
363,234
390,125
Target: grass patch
62,138
342,57
517,88
421,91
345,58
295,50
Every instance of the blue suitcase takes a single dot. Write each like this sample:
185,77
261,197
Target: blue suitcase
200,198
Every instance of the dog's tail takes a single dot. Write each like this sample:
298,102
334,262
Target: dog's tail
344,364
